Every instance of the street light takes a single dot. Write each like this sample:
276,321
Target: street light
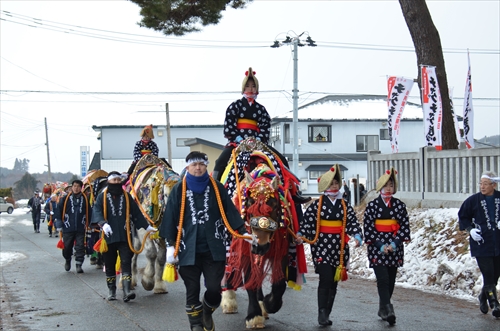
293,38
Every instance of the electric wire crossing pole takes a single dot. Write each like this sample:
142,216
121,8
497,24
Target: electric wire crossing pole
295,41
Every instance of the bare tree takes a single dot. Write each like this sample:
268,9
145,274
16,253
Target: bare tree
427,44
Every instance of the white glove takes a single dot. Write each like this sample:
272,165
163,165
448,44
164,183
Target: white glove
51,213
170,255
152,229
476,234
107,229
252,241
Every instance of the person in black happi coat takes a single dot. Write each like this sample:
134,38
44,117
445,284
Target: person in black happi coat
336,221
202,243
479,215
111,210
386,228
73,215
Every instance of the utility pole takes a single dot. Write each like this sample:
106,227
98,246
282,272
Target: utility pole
295,40
169,141
48,153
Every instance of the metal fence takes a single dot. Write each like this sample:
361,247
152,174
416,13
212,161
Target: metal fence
430,178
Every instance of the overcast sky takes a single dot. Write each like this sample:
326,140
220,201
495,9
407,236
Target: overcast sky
96,46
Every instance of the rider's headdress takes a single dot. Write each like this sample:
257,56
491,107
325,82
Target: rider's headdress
325,181
148,132
389,174
250,74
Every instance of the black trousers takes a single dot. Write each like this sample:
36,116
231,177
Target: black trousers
386,278
490,269
221,162
213,272
326,274
36,220
111,256
76,240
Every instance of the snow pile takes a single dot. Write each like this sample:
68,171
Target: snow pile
437,259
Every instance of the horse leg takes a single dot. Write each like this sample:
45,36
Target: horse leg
274,300
228,302
254,319
136,242
161,257
260,297
147,280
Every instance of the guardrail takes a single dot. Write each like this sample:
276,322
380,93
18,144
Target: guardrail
431,178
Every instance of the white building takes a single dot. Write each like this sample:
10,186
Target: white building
335,129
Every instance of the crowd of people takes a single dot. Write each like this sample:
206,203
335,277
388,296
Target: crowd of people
194,237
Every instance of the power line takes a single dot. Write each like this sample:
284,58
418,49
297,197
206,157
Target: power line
196,43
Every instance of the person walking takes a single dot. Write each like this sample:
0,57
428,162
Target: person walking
328,222
49,209
479,215
35,205
386,228
113,211
196,234
347,192
73,215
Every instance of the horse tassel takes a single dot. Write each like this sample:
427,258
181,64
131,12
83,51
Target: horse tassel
118,265
170,273
60,243
340,274
101,246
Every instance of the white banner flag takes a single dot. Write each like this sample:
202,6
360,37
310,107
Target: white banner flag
398,90
455,119
468,110
432,107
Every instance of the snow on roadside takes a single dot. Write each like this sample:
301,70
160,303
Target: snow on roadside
437,259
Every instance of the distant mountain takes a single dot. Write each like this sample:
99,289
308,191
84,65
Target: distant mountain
8,177
494,141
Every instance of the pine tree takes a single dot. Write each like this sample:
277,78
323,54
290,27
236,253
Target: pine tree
25,187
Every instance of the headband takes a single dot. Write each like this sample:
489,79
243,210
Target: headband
493,179
121,176
191,161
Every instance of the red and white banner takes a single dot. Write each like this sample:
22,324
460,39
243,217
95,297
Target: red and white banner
455,119
398,90
432,107
468,111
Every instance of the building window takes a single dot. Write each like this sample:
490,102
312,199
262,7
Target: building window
366,143
384,134
320,133
275,132
286,134
181,142
315,174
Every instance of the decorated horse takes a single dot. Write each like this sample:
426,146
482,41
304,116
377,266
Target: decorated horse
150,184
260,188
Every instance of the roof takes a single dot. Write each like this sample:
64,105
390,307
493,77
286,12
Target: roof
324,167
350,108
139,127
194,141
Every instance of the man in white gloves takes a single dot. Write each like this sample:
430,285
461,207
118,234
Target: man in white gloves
110,212
480,216
201,248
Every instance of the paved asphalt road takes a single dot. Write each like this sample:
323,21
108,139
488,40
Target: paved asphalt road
37,294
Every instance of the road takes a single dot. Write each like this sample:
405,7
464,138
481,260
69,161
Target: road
37,294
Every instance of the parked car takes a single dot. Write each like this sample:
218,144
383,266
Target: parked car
5,206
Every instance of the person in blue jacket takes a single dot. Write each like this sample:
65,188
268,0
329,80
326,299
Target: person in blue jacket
73,215
479,215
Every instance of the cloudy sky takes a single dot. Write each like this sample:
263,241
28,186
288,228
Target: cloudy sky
84,63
